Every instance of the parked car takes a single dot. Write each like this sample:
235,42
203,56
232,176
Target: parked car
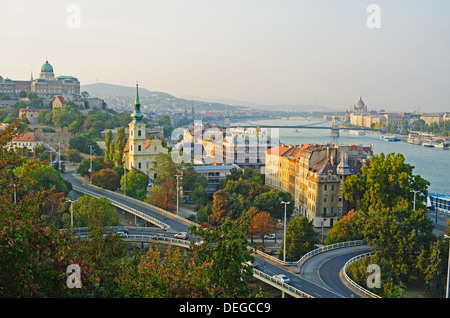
283,278
182,235
270,236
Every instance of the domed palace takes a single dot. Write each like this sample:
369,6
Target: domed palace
46,85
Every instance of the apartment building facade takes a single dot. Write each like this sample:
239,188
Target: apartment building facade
314,174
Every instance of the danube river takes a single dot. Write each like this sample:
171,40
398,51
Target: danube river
431,163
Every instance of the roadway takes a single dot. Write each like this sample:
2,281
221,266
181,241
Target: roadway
319,277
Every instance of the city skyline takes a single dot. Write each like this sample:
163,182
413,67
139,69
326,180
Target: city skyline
262,52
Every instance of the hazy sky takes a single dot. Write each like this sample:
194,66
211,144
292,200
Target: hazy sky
261,51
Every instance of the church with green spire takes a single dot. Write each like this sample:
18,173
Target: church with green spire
140,152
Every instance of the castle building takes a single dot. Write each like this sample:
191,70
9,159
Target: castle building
140,152
46,85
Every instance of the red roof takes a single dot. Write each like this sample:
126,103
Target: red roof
30,137
278,150
61,99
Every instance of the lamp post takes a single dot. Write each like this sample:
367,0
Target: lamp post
414,204
284,230
71,211
177,175
448,269
90,170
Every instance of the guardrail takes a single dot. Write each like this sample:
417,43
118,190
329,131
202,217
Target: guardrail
355,285
307,256
280,285
126,208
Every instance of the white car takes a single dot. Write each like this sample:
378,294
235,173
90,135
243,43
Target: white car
182,235
283,278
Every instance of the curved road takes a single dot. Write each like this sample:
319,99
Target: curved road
319,277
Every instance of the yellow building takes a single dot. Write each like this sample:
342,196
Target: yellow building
313,174
140,152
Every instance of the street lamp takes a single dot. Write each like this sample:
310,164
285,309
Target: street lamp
177,175
448,269
71,211
284,230
414,204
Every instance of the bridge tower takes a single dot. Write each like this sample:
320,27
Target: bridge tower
334,128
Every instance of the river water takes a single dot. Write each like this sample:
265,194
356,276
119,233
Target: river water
431,163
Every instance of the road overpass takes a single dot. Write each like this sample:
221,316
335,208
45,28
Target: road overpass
320,276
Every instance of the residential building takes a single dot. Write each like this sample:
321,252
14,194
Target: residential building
213,174
27,140
314,174
30,114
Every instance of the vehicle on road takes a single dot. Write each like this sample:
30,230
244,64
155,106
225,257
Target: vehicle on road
122,233
283,278
253,264
182,236
270,236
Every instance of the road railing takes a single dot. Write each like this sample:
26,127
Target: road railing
125,207
288,289
351,282
307,256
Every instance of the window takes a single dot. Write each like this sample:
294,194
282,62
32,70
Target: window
139,133
325,187
139,148
139,165
325,200
332,187
324,211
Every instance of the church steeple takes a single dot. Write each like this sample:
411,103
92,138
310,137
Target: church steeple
137,115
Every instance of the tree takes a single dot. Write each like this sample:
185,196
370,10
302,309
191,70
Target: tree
199,196
386,183
106,179
398,235
86,209
262,224
85,166
349,228
221,206
109,151
119,145
271,202
41,176
225,248
33,252
136,185
164,195
63,116
192,180
164,168
301,238
73,155
246,219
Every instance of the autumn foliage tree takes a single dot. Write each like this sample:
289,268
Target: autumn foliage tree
106,179
262,224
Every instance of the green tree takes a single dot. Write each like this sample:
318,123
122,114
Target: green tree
192,180
73,155
199,196
119,145
85,166
109,151
301,238
386,183
136,185
63,116
41,176
225,249
271,202
86,209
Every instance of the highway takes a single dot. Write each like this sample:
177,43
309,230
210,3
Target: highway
319,276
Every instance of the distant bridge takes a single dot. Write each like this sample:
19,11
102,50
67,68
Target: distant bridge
334,128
